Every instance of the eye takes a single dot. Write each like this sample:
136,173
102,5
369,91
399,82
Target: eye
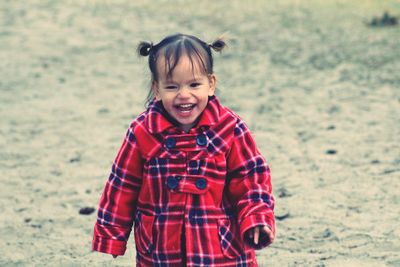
171,87
194,85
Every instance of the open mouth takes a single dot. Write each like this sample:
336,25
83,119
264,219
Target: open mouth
185,107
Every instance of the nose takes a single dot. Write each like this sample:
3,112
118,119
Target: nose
184,92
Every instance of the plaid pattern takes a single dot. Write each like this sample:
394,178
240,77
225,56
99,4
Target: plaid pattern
212,183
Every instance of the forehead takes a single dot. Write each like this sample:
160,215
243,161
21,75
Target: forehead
191,65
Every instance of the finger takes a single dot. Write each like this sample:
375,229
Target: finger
269,232
256,235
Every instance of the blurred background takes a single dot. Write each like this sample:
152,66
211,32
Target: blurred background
318,83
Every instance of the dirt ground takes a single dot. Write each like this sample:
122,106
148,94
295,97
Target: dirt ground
319,88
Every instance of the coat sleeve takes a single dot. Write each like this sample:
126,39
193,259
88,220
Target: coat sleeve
249,185
118,201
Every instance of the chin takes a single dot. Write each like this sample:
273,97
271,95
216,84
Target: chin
186,122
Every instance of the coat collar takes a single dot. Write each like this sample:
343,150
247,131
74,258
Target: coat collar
159,120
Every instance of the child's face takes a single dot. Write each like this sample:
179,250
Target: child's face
185,94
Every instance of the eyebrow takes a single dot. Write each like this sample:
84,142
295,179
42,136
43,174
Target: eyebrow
196,79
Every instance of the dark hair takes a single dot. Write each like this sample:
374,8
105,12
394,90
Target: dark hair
173,47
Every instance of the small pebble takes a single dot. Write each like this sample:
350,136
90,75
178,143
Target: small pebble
75,159
331,127
86,210
333,109
103,110
282,217
282,192
331,152
385,20
56,172
327,233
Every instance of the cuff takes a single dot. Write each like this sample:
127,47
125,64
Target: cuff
253,221
109,246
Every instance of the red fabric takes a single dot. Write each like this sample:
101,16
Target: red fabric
164,181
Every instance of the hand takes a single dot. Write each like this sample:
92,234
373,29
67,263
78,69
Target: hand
255,233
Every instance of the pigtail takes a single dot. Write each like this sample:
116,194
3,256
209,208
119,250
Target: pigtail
218,44
144,48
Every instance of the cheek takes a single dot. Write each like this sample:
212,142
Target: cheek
204,104
166,98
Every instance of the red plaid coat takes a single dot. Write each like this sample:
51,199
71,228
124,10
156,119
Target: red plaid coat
192,197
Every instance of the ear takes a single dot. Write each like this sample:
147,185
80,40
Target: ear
213,84
156,91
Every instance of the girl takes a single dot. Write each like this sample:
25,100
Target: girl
188,174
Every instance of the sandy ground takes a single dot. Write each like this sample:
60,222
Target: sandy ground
319,89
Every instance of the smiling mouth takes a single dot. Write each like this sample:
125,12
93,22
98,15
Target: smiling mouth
185,107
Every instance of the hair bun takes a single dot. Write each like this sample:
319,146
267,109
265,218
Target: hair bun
144,48
218,45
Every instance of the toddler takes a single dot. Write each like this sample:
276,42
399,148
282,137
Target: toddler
188,175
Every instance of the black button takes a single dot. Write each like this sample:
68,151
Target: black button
201,140
170,142
193,164
201,183
172,182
